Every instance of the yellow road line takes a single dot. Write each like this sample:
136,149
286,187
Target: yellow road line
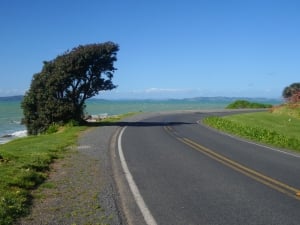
270,182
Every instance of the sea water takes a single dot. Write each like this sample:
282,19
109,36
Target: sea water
11,113
10,121
96,106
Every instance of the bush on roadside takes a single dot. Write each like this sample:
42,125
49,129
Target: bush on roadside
52,128
243,104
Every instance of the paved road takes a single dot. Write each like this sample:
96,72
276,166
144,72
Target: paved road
189,174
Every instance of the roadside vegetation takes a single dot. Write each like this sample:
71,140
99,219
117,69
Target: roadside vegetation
279,127
25,165
243,104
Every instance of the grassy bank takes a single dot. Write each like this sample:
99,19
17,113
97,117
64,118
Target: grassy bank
276,127
25,163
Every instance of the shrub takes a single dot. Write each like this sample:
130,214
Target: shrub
243,104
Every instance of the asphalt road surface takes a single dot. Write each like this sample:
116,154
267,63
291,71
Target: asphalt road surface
189,174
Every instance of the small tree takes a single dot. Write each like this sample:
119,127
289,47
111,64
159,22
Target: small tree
291,93
58,93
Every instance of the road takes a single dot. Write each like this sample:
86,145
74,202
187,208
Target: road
187,173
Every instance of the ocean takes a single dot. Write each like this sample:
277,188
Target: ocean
11,113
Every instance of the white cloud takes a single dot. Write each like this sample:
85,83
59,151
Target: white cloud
165,90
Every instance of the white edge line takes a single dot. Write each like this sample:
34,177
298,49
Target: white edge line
149,219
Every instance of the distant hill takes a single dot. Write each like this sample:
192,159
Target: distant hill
12,98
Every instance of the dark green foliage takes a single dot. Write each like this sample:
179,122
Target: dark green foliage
58,93
290,91
243,104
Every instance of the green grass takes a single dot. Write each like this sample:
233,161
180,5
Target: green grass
276,129
280,123
24,164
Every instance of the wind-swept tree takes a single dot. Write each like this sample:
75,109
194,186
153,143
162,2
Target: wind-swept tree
291,92
58,93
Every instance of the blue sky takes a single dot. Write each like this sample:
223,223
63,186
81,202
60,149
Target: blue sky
168,48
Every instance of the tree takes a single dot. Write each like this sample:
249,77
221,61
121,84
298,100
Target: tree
292,92
58,93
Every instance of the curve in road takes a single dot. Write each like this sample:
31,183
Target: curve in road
207,186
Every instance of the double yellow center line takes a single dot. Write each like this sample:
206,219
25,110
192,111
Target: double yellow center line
270,182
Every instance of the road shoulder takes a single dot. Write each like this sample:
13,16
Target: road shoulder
80,187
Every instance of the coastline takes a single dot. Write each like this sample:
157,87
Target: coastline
12,136
11,112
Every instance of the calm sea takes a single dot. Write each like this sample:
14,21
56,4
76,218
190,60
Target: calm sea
11,112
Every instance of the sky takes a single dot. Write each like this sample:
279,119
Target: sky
168,48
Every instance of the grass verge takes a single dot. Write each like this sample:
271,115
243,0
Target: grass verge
24,164
276,129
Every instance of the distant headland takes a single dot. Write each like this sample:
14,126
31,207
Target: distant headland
12,98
